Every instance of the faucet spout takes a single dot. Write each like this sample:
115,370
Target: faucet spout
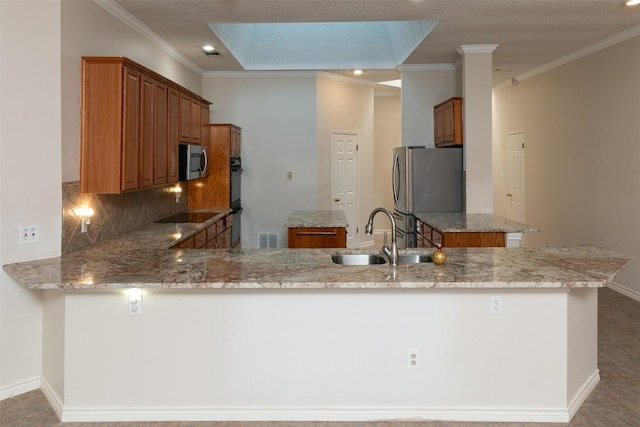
391,253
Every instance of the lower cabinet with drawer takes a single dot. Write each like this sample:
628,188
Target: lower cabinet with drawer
215,236
317,237
427,236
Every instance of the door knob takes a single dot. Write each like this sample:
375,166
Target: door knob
337,199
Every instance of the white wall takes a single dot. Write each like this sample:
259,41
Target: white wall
321,354
286,121
346,106
278,119
421,91
90,30
40,98
30,190
387,115
582,152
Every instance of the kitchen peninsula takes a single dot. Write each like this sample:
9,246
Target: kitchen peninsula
285,334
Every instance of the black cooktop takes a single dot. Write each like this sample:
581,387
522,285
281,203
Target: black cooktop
189,217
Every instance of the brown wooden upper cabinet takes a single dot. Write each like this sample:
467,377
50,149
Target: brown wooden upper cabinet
447,123
132,120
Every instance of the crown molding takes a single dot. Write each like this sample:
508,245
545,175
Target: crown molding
120,13
289,74
477,48
593,48
345,79
430,67
265,74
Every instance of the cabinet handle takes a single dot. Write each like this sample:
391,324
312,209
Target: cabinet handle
337,199
317,233
509,195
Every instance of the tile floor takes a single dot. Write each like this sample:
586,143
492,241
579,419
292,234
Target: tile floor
614,403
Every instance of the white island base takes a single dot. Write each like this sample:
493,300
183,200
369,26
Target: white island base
320,354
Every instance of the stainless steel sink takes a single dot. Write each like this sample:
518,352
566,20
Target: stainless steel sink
413,258
358,259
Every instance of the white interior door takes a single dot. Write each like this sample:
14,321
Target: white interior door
516,194
344,181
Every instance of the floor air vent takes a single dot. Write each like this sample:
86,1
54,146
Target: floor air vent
268,240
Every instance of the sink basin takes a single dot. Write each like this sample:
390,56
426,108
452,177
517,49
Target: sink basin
413,258
358,259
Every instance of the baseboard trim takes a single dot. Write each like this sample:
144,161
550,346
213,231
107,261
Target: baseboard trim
21,387
583,393
314,414
52,398
624,291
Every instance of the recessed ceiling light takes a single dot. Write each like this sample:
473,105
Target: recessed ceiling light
357,72
632,2
210,51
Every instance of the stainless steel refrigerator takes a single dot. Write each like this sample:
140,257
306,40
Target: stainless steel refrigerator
424,180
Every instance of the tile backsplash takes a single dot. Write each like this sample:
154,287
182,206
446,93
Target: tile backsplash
114,214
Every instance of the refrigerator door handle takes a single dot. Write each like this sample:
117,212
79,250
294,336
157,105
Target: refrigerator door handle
395,179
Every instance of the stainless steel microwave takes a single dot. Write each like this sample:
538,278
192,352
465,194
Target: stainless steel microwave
192,161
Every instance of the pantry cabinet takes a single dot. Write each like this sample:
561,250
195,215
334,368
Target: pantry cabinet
447,123
132,120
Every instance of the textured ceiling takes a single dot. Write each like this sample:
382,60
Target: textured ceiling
530,33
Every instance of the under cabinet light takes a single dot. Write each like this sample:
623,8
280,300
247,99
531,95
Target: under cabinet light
177,190
632,2
135,301
84,213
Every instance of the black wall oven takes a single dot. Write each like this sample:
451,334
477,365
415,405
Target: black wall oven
236,171
236,204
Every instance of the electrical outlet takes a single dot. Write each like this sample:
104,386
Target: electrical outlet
28,234
496,305
413,358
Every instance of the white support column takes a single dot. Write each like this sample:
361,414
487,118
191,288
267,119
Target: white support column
477,106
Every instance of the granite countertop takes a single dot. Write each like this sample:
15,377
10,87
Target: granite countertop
458,222
131,262
317,218
158,235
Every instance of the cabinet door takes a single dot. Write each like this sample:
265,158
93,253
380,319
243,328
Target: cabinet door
130,129
185,118
447,124
147,129
173,135
235,142
161,134
448,135
438,124
196,119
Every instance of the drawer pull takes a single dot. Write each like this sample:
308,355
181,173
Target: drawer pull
316,233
